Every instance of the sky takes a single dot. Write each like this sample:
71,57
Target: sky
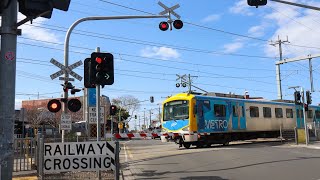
226,45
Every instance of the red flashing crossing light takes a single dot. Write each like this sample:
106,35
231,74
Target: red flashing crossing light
74,105
164,26
178,24
54,105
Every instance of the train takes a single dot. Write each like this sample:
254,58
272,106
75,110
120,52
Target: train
216,118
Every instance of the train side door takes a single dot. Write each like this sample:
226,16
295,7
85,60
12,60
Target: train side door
299,115
238,117
203,113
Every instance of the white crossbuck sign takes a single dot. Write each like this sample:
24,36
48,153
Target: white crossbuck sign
169,10
66,70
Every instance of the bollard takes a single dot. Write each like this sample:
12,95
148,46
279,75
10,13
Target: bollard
296,135
117,159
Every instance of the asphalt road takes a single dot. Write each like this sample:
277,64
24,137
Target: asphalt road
152,159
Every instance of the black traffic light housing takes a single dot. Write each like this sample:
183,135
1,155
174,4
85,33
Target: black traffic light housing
308,97
101,69
4,4
178,24
297,97
43,8
113,110
163,26
54,105
151,99
257,3
74,105
87,82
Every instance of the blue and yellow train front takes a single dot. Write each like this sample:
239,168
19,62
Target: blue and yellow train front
179,117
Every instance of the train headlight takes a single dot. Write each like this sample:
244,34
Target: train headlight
186,129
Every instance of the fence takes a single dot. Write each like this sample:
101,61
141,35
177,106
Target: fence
25,157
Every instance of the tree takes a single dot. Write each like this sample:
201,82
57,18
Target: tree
128,105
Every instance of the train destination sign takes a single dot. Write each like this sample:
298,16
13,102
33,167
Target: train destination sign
78,156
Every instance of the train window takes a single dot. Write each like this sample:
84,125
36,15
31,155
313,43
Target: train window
310,114
237,111
266,112
254,111
219,110
207,104
289,113
279,113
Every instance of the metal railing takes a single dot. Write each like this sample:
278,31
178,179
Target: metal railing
24,154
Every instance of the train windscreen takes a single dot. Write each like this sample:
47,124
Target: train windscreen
176,110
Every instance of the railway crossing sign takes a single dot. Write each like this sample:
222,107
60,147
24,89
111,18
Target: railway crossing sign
65,70
169,10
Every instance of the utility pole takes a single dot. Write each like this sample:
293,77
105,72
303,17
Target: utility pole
278,74
144,117
150,119
184,81
8,61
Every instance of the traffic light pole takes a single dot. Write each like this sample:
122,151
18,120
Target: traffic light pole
98,106
7,90
304,116
67,40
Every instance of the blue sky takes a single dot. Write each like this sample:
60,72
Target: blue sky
225,43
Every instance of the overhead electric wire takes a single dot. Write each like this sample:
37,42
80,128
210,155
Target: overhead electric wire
158,44
205,27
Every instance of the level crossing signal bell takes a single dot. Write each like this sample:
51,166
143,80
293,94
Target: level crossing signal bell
257,3
113,110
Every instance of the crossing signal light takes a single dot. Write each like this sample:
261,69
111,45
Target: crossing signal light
257,3
308,97
113,110
297,97
54,105
151,99
178,24
163,26
74,105
101,69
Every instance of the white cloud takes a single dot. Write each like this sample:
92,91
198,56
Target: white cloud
256,31
241,7
37,33
300,25
211,18
232,47
164,53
